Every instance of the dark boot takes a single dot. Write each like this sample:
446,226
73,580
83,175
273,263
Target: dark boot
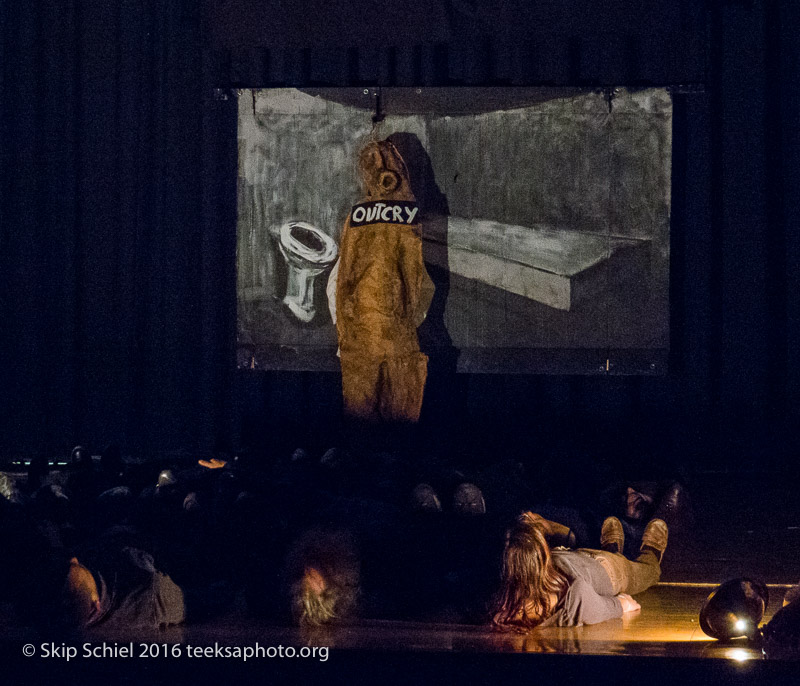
673,506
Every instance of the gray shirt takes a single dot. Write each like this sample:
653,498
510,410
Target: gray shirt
134,594
590,597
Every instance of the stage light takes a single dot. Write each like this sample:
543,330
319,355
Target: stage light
734,609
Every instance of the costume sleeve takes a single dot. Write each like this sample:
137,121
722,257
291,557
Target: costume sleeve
583,605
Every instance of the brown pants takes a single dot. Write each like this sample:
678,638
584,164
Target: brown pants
629,576
387,388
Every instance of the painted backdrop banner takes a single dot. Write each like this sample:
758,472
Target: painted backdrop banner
545,216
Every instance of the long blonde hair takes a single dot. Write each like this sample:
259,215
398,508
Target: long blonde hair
528,578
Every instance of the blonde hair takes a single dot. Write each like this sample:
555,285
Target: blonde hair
332,557
528,578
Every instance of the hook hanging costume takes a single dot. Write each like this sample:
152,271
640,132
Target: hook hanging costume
381,292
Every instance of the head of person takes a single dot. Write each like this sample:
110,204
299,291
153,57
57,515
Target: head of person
530,584
323,573
384,175
80,459
80,595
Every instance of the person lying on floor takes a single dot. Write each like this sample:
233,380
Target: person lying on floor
541,586
363,558
322,577
115,584
343,561
637,502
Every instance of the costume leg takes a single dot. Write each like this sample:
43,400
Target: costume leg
360,385
401,385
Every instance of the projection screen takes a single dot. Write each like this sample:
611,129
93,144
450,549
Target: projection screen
545,219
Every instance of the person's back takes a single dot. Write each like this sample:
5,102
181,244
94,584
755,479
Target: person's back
114,584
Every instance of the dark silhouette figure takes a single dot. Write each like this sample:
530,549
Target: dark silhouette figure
434,338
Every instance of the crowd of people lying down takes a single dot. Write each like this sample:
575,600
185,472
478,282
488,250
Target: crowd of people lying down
322,538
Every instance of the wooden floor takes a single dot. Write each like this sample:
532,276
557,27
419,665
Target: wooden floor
661,644
666,626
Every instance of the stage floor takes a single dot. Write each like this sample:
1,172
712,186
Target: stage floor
743,528
661,644
666,626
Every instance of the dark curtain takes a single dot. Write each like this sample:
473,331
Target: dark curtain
118,218
117,253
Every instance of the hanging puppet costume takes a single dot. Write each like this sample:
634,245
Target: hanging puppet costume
382,294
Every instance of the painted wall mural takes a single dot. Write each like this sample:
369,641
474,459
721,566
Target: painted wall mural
545,221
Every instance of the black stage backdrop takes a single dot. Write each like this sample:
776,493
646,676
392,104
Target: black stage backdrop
118,228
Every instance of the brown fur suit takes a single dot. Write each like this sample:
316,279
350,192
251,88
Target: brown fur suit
381,290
